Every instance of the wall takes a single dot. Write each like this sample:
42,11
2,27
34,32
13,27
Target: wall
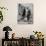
10,18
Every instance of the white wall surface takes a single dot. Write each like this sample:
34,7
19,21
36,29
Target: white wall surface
10,18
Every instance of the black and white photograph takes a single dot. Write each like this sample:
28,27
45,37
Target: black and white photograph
25,13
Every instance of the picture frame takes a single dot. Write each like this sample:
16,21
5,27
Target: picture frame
25,13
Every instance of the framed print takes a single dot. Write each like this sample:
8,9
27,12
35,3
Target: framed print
25,13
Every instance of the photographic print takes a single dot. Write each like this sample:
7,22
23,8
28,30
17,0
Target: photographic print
25,13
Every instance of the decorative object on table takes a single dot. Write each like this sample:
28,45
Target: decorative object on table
25,13
32,36
13,36
39,34
1,15
7,28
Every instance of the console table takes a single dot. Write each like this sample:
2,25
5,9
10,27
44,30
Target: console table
23,42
